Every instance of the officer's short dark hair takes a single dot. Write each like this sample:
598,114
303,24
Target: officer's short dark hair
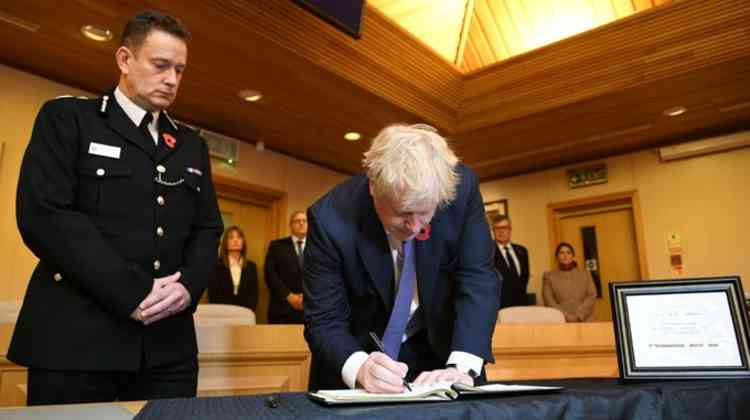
141,25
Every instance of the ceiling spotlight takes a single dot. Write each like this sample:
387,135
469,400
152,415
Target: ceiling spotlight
250,95
352,136
674,111
97,33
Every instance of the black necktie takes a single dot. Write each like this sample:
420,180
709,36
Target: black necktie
300,253
143,126
509,259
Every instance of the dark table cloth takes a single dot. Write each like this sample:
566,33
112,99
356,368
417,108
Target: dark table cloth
582,399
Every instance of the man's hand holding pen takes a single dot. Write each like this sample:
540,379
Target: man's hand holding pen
382,375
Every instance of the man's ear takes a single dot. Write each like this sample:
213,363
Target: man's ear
123,56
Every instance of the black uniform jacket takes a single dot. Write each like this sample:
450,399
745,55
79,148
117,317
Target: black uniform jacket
89,207
221,286
283,275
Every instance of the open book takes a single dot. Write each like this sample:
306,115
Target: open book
442,391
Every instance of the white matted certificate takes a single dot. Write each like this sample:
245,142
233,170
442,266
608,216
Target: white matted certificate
680,329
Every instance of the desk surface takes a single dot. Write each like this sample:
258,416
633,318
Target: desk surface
582,399
99,411
588,399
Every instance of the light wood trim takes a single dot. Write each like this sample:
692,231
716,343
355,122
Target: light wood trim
640,237
245,192
275,358
553,351
598,210
233,360
465,27
594,203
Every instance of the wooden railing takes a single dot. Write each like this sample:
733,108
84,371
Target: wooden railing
256,359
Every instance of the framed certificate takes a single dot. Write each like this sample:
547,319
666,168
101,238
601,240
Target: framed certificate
680,329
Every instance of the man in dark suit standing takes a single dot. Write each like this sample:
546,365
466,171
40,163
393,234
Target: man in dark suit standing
283,270
116,201
512,261
403,252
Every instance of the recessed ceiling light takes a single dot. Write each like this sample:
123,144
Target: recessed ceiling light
250,95
97,33
352,136
674,111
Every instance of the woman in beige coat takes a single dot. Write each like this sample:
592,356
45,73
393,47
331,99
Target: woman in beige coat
569,289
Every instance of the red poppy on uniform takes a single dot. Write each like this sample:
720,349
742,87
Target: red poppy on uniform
169,140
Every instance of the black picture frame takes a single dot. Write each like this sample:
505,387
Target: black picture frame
631,371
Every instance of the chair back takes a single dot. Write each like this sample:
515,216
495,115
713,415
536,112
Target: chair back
530,315
208,314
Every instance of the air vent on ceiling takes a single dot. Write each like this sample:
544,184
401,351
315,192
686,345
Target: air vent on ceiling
221,146
705,146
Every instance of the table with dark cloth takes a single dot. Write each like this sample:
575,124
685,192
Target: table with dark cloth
581,399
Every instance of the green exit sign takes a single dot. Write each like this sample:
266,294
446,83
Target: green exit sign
590,175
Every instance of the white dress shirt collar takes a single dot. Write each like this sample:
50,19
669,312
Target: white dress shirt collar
135,112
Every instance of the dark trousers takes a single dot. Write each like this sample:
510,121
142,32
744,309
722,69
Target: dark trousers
176,380
292,317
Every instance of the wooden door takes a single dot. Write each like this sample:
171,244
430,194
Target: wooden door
613,231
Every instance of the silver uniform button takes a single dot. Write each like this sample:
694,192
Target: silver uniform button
159,231
157,264
161,169
160,200
57,276
101,172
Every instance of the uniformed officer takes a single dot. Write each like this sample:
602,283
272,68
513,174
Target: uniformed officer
125,223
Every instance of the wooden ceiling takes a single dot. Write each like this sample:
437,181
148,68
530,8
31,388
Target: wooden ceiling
501,29
595,94
437,23
473,34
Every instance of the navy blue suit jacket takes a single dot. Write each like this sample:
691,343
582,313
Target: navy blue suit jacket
349,284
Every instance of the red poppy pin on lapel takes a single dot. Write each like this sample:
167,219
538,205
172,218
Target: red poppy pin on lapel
169,140
424,234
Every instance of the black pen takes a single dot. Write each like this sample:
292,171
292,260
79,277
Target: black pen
382,350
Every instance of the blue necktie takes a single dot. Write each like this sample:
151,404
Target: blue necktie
400,314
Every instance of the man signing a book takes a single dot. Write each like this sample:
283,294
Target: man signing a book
404,252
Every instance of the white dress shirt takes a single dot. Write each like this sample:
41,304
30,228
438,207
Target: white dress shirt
510,256
136,113
294,242
235,269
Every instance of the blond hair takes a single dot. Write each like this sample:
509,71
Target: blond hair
413,165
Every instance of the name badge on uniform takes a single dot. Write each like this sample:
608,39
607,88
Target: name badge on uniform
105,150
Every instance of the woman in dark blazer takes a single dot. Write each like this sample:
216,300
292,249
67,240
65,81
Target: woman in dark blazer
236,278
